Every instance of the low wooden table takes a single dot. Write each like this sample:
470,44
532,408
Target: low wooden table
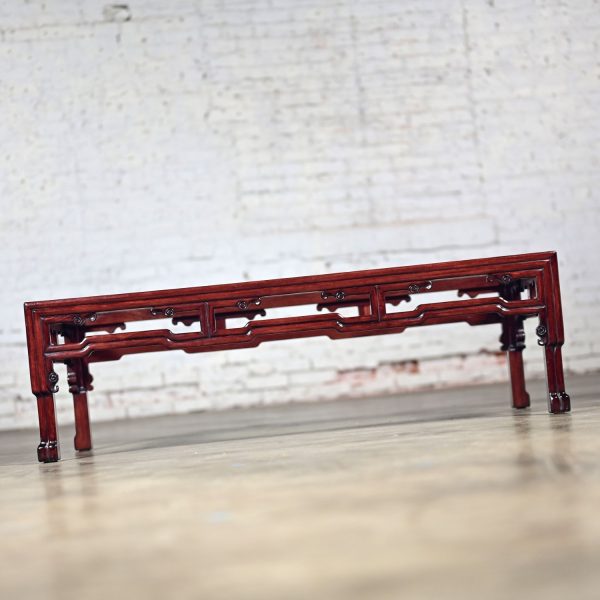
504,290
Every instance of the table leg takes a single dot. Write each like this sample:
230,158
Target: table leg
48,449
79,384
513,341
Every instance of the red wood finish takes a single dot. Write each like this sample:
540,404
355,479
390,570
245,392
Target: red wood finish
80,331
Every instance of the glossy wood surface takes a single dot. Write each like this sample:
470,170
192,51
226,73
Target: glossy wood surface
505,290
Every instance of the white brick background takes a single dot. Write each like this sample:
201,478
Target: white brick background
213,141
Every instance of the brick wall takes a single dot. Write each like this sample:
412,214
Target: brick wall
181,143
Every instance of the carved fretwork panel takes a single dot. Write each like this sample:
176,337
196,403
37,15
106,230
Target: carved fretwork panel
237,320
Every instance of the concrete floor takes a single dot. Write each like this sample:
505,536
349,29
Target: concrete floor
434,495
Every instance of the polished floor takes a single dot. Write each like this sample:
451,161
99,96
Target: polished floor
433,495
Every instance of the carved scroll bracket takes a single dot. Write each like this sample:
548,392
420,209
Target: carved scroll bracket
244,304
339,295
415,288
503,278
52,381
542,332
80,320
167,312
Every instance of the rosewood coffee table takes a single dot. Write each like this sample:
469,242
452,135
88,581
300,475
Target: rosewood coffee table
505,290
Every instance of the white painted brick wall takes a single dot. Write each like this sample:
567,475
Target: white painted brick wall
206,142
